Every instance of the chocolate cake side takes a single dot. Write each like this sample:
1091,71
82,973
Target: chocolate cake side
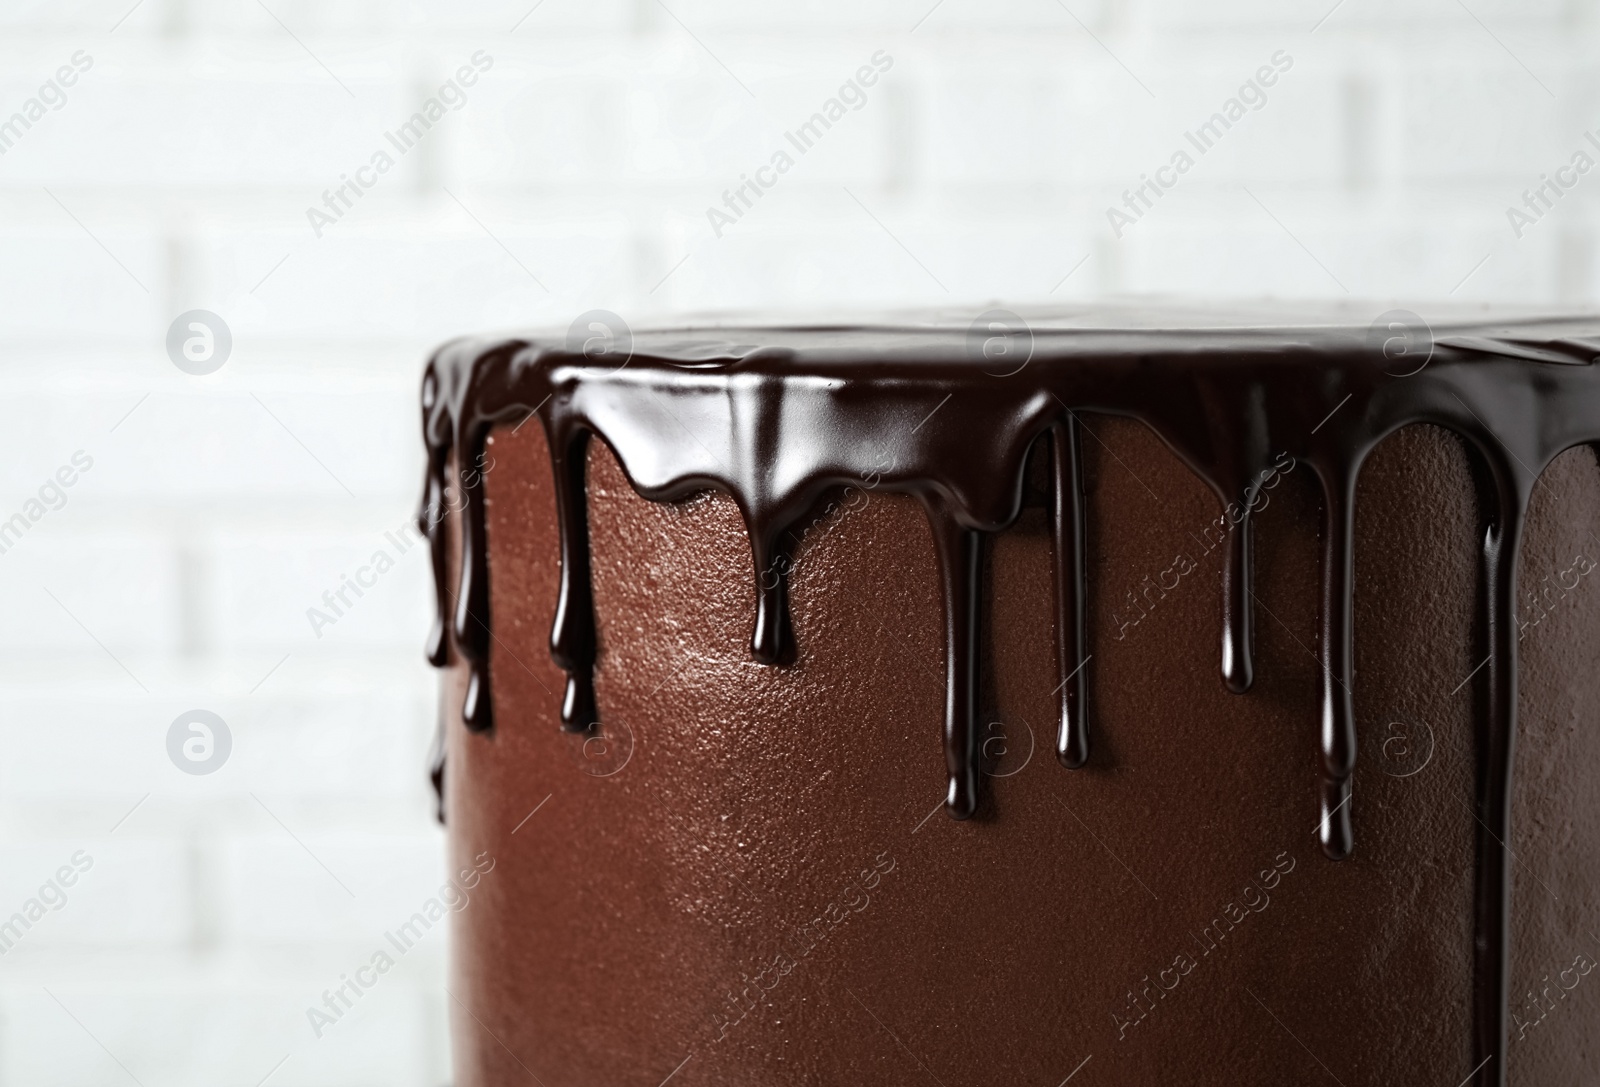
745,869
621,916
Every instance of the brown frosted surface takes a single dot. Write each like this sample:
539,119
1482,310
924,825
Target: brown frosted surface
617,919
1555,1031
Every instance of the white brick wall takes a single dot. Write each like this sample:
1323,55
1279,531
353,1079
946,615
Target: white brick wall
177,176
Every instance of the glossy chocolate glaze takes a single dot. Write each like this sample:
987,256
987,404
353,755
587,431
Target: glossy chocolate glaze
780,417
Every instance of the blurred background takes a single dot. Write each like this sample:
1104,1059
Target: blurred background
190,885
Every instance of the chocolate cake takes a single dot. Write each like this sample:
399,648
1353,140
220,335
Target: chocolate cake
811,585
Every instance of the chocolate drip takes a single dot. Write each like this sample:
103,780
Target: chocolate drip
1238,672
436,771
472,630
572,634
1232,408
960,552
1338,732
776,427
1496,745
430,521
772,641
1072,740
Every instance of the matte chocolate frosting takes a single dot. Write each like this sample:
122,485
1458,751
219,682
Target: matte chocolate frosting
784,419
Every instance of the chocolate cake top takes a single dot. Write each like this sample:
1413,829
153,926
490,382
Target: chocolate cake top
947,407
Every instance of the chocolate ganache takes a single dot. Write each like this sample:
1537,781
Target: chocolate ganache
780,417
